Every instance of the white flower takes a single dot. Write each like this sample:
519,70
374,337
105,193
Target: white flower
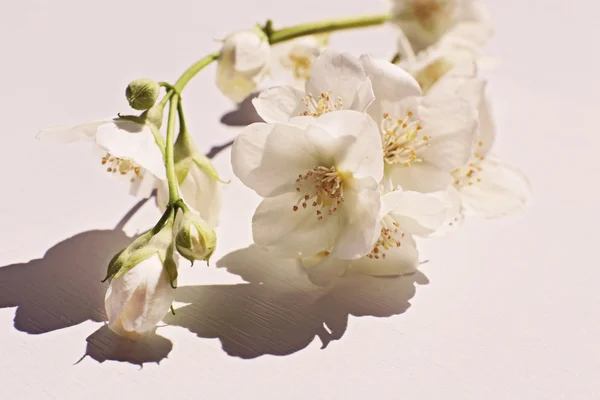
292,60
424,22
136,301
424,138
337,82
243,63
487,187
127,149
394,251
319,178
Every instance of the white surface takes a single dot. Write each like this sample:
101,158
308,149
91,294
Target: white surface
511,308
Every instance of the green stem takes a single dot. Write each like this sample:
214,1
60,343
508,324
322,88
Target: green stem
182,126
315,28
193,70
169,158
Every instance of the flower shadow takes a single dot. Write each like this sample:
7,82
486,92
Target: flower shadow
104,345
279,312
244,114
64,289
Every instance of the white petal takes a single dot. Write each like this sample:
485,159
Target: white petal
288,152
361,217
343,76
487,127
251,51
503,190
203,194
419,177
133,141
452,126
290,233
279,104
398,261
420,214
138,300
248,149
73,133
389,82
364,156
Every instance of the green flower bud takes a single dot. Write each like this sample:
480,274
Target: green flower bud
142,93
195,239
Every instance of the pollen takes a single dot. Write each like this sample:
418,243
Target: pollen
403,139
390,238
122,166
323,104
322,188
470,174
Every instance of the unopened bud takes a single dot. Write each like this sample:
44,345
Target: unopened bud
195,238
142,93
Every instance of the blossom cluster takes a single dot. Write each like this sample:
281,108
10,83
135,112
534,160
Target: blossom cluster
356,158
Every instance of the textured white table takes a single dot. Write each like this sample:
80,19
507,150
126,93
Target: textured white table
504,309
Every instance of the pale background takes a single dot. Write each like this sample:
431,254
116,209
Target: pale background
504,309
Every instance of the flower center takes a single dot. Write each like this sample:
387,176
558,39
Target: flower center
322,188
123,167
321,105
470,173
402,139
432,14
389,238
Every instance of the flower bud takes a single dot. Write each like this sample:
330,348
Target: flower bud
142,93
136,301
143,280
243,63
195,239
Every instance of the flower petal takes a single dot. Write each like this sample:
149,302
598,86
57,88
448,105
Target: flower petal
397,261
138,300
389,82
503,190
451,124
287,152
279,104
361,207
71,134
364,156
203,194
420,214
421,177
343,76
290,233
133,141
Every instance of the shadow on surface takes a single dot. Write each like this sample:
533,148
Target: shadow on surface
64,287
279,312
105,345
245,114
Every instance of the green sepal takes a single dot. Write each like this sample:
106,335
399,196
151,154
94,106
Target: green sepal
131,256
170,265
185,153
